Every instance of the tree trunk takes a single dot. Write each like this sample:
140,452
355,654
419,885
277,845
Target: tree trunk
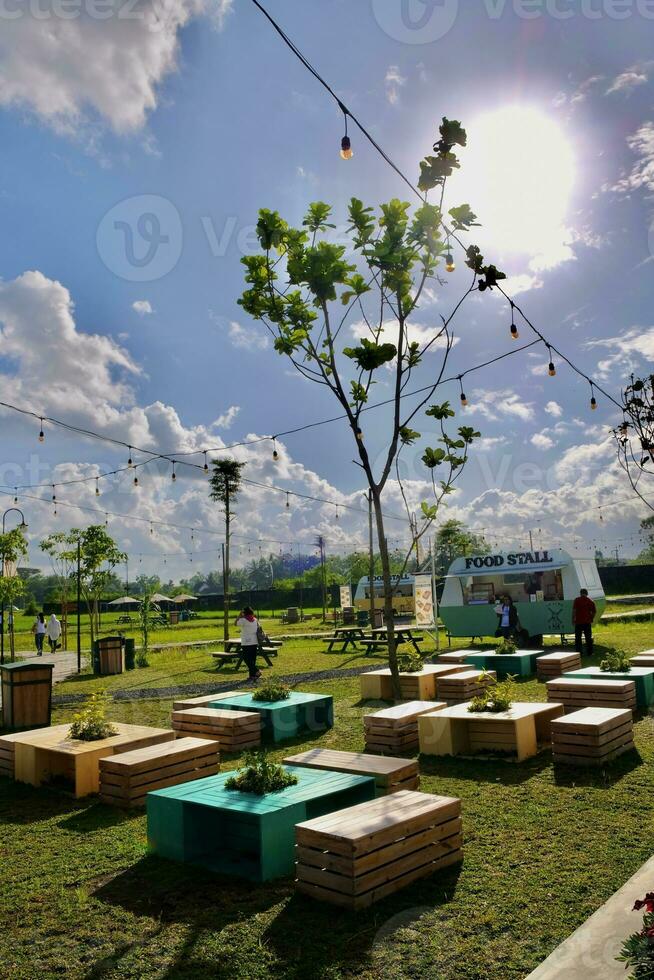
388,597
226,569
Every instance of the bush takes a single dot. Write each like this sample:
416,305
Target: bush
496,697
272,691
409,663
616,661
505,648
638,951
90,724
260,776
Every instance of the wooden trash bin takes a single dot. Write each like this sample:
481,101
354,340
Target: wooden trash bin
26,694
173,617
111,655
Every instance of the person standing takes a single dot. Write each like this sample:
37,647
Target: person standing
248,624
583,614
507,618
54,632
39,633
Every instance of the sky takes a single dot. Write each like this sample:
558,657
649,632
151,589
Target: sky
139,140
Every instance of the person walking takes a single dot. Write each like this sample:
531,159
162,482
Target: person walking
507,618
39,629
584,611
248,624
54,632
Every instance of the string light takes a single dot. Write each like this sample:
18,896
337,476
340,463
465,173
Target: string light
97,487
514,329
551,369
464,400
129,461
135,481
275,454
41,433
336,511
206,465
449,259
15,495
173,475
151,529
593,400
346,146
106,520
288,502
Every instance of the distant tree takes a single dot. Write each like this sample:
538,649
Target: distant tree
454,540
225,485
13,547
634,437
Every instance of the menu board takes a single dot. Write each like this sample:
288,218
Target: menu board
424,600
346,596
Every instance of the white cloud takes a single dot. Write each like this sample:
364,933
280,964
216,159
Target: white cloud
143,307
227,418
542,441
630,79
641,143
419,333
522,283
494,405
554,409
68,71
628,351
249,337
393,82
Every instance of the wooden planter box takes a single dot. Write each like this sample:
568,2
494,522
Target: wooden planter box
579,692
555,664
396,729
111,655
643,678
7,754
358,856
522,663
285,719
643,660
125,779
242,834
26,694
456,657
416,686
592,736
518,731
48,752
390,775
234,731
469,684
203,701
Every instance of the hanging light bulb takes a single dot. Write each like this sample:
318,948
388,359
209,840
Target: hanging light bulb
106,520
514,329
449,263
15,495
288,504
346,148
54,495
129,461
206,465
173,475
359,434
97,487
275,454
41,433
151,529
135,481
593,400
336,511
464,400
551,369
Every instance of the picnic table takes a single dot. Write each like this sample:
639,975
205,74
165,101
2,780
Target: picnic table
346,635
124,619
403,634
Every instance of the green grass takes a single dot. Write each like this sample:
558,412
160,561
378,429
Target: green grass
543,850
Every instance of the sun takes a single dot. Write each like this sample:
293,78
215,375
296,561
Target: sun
517,174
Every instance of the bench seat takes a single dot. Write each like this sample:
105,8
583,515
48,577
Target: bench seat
391,775
233,730
125,779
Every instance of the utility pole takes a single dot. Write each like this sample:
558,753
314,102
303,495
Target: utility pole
79,608
225,604
371,562
127,576
434,595
531,542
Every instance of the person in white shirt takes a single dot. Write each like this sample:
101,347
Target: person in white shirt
248,624
54,632
39,629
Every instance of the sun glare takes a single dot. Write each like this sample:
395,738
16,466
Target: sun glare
517,174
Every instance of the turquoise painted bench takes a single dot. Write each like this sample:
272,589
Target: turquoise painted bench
643,678
522,663
202,823
284,719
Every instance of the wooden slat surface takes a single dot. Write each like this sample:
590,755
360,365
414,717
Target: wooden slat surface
592,720
357,763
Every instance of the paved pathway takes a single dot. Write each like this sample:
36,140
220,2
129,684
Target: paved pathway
65,664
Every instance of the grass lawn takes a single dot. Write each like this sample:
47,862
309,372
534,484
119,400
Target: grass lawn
543,850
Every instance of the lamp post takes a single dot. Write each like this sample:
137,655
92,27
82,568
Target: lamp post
22,526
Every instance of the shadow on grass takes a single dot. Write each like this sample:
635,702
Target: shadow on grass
24,804
601,777
98,816
485,769
310,938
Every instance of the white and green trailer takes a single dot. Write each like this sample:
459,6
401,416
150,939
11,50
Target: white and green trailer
542,583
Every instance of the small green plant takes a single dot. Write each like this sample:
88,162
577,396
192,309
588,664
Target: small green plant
260,776
90,724
505,648
616,661
638,950
409,663
272,691
496,697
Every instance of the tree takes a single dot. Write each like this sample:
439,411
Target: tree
99,555
306,292
57,547
225,485
634,437
452,540
13,547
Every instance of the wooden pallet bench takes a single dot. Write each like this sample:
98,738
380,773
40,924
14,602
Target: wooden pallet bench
553,665
522,663
469,684
243,834
416,686
358,856
643,678
280,720
518,731
125,779
456,657
48,753
7,753
583,692
592,736
233,730
396,729
390,775
203,701
643,660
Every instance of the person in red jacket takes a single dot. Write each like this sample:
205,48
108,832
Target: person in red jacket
583,614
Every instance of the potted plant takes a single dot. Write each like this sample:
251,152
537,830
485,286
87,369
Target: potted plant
615,661
496,697
506,648
260,776
410,663
272,691
90,724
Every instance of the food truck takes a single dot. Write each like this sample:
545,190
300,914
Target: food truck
403,594
542,584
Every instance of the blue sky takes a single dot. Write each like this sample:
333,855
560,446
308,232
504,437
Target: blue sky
208,117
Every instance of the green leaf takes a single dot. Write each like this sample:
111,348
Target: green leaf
433,457
434,170
316,217
358,286
452,134
362,220
271,229
463,217
474,259
429,511
370,356
359,393
440,412
467,434
492,275
408,436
